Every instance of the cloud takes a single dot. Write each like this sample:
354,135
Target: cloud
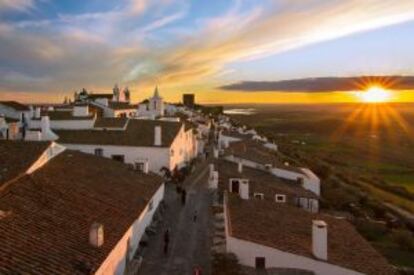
163,21
258,33
100,48
324,84
16,5
138,6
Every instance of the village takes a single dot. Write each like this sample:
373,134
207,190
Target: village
101,185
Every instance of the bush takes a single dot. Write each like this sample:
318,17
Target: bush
226,264
404,239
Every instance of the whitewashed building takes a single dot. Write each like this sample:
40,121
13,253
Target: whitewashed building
254,154
264,234
16,110
150,143
153,107
79,214
257,184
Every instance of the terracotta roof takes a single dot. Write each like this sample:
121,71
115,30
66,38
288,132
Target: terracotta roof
49,213
64,115
15,105
17,156
289,229
101,95
121,105
256,152
261,182
11,120
110,122
137,133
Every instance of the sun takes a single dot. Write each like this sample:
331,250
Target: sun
375,94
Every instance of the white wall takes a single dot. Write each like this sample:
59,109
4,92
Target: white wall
10,112
224,141
247,252
310,181
158,157
182,149
66,124
115,262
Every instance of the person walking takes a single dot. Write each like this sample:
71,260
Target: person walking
195,216
166,241
183,196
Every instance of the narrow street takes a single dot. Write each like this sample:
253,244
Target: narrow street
190,240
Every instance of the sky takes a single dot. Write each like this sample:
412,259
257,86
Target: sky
49,49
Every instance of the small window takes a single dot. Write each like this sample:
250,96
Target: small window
268,166
150,205
119,158
139,166
259,196
280,198
260,262
99,152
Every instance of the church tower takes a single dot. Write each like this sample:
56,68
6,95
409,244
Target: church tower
156,103
115,92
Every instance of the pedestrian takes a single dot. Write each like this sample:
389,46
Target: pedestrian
195,216
166,241
183,196
196,270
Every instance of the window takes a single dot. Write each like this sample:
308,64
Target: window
280,198
259,196
150,205
268,166
260,262
234,186
119,158
139,166
99,152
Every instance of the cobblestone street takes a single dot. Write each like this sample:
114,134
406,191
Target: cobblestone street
190,240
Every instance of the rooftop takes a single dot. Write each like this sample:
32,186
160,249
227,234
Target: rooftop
17,156
64,115
255,151
15,105
289,229
100,95
260,181
49,213
110,122
138,133
121,105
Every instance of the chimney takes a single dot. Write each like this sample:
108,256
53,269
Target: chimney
45,124
37,112
157,136
320,239
96,235
244,189
215,153
240,166
145,167
47,133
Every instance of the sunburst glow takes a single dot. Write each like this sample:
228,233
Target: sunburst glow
375,94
